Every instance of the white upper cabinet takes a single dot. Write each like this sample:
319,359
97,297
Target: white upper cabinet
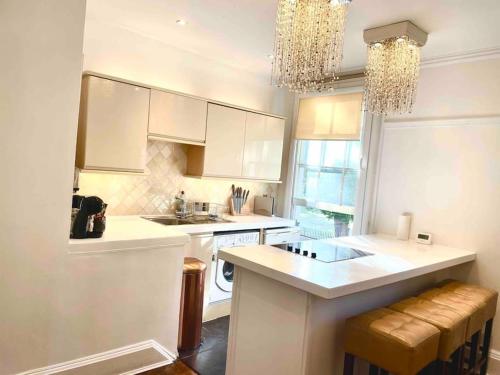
177,118
239,144
116,118
225,141
113,126
263,147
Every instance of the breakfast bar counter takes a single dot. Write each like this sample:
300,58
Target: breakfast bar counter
288,309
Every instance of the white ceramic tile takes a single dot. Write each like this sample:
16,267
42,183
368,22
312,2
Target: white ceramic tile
154,192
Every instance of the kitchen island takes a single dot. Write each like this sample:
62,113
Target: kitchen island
288,310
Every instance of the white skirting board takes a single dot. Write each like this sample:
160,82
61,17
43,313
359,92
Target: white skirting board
494,364
111,354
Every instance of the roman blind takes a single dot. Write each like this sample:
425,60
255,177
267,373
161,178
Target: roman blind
336,117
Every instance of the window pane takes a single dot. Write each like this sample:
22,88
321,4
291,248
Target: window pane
311,153
350,188
312,183
329,187
321,224
335,154
300,186
354,154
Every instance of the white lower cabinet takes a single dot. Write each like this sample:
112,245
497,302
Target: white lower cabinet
113,126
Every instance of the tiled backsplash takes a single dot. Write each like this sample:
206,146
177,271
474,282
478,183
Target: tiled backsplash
154,192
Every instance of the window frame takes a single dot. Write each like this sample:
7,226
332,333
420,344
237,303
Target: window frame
368,160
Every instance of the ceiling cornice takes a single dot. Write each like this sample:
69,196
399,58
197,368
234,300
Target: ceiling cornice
456,58
463,57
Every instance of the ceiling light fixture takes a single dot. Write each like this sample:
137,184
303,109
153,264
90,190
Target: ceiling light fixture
181,22
308,43
393,67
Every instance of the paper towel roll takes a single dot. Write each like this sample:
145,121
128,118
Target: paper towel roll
404,223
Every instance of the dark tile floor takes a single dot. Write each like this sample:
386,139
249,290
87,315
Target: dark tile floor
177,368
208,359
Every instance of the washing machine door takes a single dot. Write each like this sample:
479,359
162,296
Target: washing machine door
224,275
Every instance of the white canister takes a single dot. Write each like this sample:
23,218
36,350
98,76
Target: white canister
404,224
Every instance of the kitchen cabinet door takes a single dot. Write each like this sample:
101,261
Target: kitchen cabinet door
225,141
177,118
263,147
113,126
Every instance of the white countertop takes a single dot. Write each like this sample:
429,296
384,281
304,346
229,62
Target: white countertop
129,233
134,233
393,261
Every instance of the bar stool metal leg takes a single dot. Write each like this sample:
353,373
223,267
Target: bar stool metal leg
442,367
474,346
348,364
455,361
431,369
486,347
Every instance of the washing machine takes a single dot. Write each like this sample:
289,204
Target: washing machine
222,274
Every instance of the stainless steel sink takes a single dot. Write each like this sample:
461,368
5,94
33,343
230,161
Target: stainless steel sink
172,220
167,220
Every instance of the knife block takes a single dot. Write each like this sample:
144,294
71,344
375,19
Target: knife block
245,209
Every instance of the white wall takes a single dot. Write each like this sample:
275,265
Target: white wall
119,52
447,171
57,306
39,94
457,91
122,53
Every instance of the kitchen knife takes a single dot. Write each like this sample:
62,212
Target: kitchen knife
239,199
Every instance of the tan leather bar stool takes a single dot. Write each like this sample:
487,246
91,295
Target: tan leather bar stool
471,308
391,342
453,327
490,298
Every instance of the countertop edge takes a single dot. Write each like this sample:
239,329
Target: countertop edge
340,291
113,246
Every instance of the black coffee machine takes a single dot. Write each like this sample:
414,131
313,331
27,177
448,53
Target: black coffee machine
88,218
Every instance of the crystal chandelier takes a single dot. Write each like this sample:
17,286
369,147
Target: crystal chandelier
393,68
308,45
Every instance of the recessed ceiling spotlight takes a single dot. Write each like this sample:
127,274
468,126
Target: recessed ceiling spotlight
181,22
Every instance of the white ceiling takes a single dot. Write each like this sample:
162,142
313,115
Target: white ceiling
241,32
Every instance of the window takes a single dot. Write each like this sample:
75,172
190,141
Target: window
332,135
327,174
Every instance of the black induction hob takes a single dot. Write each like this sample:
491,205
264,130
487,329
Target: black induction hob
323,250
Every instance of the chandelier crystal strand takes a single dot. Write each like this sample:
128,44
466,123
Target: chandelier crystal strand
309,43
391,76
